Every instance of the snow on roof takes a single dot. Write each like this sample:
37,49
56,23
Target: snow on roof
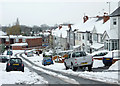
2,33
97,45
113,33
20,36
76,46
101,51
20,44
91,23
60,32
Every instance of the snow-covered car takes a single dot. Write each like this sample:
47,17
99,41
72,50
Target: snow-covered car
15,64
110,57
29,54
99,54
4,58
47,61
78,59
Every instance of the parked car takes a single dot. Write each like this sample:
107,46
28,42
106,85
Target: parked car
78,59
15,64
9,52
110,57
29,54
99,54
47,61
4,58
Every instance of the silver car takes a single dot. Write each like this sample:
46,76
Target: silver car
78,59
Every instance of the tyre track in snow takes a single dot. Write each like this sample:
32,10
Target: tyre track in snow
52,79
81,80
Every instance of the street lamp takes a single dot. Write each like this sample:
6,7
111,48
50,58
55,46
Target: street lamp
109,6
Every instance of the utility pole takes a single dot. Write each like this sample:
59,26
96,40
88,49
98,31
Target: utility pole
109,7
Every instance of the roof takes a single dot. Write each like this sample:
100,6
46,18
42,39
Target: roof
92,23
60,32
20,36
20,44
113,33
97,45
2,33
116,12
77,46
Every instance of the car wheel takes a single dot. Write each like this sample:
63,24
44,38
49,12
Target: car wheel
90,68
23,70
7,70
74,68
66,66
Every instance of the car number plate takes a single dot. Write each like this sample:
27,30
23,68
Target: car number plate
48,62
84,63
107,59
15,64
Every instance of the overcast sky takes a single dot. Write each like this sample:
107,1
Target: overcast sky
35,12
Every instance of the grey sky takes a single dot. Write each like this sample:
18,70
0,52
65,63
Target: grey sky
37,13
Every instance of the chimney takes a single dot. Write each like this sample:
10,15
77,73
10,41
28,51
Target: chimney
105,17
85,18
60,26
69,26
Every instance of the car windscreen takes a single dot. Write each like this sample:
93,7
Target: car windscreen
78,54
46,58
15,61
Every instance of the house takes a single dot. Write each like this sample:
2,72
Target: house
112,36
89,34
60,37
21,42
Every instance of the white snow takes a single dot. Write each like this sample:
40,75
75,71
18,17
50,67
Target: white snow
2,33
18,77
20,44
60,32
108,77
97,45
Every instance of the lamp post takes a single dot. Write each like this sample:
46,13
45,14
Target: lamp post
109,6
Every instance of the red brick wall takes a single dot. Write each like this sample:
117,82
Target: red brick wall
34,42
16,47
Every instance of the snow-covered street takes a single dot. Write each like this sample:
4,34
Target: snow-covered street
18,77
104,76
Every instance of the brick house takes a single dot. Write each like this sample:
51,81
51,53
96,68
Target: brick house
21,42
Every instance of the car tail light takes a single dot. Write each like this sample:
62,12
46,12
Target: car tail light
76,60
22,64
8,64
44,60
92,58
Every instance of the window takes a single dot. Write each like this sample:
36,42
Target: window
7,39
82,36
114,21
23,40
17,40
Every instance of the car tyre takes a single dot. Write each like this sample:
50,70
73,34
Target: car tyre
74,68
66,67
7,70
23,70
90,68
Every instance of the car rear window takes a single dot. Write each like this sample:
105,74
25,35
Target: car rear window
78,54
47,58
15,61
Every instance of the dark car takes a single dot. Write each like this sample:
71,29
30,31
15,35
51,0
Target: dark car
47,61
15,64
4,58
9,52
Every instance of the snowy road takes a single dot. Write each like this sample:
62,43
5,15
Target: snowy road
80,80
